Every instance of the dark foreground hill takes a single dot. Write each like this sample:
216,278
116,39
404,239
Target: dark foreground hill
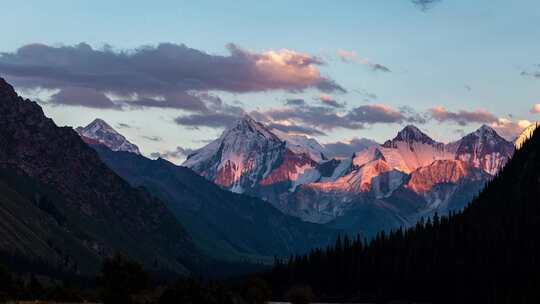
62,207
224,225
489,253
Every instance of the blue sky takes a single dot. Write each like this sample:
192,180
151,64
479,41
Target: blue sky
465,56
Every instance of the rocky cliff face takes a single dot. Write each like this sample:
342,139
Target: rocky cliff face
484,149
100,213
240,158
249,156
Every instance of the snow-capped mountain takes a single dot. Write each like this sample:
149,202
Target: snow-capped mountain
376,176
525,135
101,132
301,144
484,149
412,149
412,171
247,154
402,179
441,171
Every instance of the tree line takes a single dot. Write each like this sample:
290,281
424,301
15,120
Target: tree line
488,253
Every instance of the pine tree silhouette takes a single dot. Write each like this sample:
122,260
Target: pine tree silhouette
488,253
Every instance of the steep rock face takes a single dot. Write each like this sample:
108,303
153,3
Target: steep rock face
301,144
441,172
295,168
375,179
101,213
359,180
335,168
447,184
410,170
415,149
101,132
240,158
484,149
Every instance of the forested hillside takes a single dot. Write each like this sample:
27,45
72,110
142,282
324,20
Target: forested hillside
489,253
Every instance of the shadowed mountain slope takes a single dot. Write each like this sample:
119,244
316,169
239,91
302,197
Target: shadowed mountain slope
67,208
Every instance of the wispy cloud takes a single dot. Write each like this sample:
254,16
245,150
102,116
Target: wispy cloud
352,57
532,72
124,125
329,101
461,117
347,148
297,129
366,96
509,129
535,109
295,102
347,56
506,127
152,138
377,66
175,155
425,5
326,118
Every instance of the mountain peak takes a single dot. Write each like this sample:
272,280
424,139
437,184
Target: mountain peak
486,134
485,149
100,131
99,123
485,129
246,125
410,134
6,90
246,119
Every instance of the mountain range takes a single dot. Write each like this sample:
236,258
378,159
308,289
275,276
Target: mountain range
70,198
487,253
223,224
378,188
381,186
